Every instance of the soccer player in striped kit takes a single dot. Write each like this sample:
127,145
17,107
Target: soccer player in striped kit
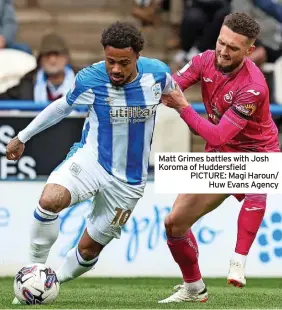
111,163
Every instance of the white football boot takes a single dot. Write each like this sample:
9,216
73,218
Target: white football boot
182,294
236,275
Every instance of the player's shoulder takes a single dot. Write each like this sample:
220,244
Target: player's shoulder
206,56
251,81
254,75
204,59
92,74
253,90
153,65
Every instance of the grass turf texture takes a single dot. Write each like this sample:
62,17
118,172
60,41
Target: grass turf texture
143,293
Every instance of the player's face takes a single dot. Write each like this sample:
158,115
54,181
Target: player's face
231,49
121,64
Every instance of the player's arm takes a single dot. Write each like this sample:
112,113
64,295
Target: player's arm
190,74
50,116
232,122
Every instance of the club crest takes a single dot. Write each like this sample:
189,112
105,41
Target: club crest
157,91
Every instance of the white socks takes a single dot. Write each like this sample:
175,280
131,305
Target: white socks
239,258
195,287
44,232
74,266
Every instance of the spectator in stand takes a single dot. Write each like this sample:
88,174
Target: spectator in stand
201,23
147,11
270,7
52,78
8,28
268,14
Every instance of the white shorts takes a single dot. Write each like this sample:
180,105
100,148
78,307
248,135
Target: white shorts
113,200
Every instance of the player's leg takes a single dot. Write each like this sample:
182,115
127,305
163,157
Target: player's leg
249,220
80,259
73,181
45,225
187,209
112,207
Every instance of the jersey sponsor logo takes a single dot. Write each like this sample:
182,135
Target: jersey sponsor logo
252,91
132,114
228,97
207,80
157,91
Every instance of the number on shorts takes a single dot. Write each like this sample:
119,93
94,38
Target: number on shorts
121,217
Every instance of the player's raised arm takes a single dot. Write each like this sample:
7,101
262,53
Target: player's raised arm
190,74
232,122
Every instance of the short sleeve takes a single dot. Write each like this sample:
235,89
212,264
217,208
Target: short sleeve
248,99
190,74
169,84
80,93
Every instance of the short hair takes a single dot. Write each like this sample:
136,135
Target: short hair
243,24
123,35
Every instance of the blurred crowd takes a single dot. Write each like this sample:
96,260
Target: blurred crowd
194,26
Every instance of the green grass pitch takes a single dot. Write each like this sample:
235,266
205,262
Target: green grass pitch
143,293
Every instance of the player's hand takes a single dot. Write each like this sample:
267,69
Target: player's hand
14,149
175,100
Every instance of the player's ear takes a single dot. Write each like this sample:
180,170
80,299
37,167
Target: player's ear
250,49
137,55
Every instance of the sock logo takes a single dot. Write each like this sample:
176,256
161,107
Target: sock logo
253,209
270,238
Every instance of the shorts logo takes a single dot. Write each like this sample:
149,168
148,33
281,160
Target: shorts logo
157,91
75,169
228,97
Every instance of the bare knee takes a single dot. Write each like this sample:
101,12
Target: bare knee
174,227
55,198
89,248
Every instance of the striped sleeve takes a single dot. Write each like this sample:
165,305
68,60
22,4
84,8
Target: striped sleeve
80,93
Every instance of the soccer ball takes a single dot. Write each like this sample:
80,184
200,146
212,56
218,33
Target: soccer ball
36,284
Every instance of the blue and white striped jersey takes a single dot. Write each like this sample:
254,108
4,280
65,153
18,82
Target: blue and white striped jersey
121,119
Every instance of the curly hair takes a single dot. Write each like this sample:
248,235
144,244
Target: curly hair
123,35
243,24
